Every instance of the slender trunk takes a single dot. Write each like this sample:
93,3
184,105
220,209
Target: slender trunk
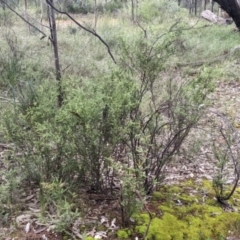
95,15
25,5
26,14
42,12
195,6
3,5
190,6
133,11
212,2
52,23
205,5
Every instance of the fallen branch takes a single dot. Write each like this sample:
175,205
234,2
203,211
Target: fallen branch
200,63
214,60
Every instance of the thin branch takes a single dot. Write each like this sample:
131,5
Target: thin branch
235,166
23,18
84,28
148,211
200,63
34,19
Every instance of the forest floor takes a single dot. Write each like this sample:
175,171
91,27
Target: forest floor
105,209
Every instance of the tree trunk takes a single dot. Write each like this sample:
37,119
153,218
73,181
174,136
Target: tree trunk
232,8
205,5
26,15
212,4
133,17
191,5
195,6
3,5
42,14
52,23
95,15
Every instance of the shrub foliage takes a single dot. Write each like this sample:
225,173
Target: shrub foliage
118,129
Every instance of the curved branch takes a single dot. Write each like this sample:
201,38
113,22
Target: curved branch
44,35
84,28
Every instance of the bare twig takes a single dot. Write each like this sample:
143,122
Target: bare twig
28,15
148,211
200,63
19,15
84,28
228,196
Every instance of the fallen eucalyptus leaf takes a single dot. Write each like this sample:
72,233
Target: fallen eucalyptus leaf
27,227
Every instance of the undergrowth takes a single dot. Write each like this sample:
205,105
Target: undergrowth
121,121
185,211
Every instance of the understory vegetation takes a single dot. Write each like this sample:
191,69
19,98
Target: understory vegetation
123,126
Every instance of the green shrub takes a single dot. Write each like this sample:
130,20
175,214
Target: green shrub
76,140
77,6
57,197
113,6
165,105
97,113
150,10
32,130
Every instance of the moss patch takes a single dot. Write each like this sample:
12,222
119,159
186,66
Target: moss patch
123,234
189,211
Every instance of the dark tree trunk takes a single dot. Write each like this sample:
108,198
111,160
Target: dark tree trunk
190,3
195,6
133,17
2,4
205,5
232,8
212,5
53,30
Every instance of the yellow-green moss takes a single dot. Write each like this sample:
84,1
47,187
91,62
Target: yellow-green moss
141,218
166,209
90,238
187,199
167,228
200,227
185,216
123,233
158,196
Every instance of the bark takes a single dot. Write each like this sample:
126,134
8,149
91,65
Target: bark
195,6
2,4
42,12
95,15
205,4
52,23
26,14
212,3
133,17
232,8
191,5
